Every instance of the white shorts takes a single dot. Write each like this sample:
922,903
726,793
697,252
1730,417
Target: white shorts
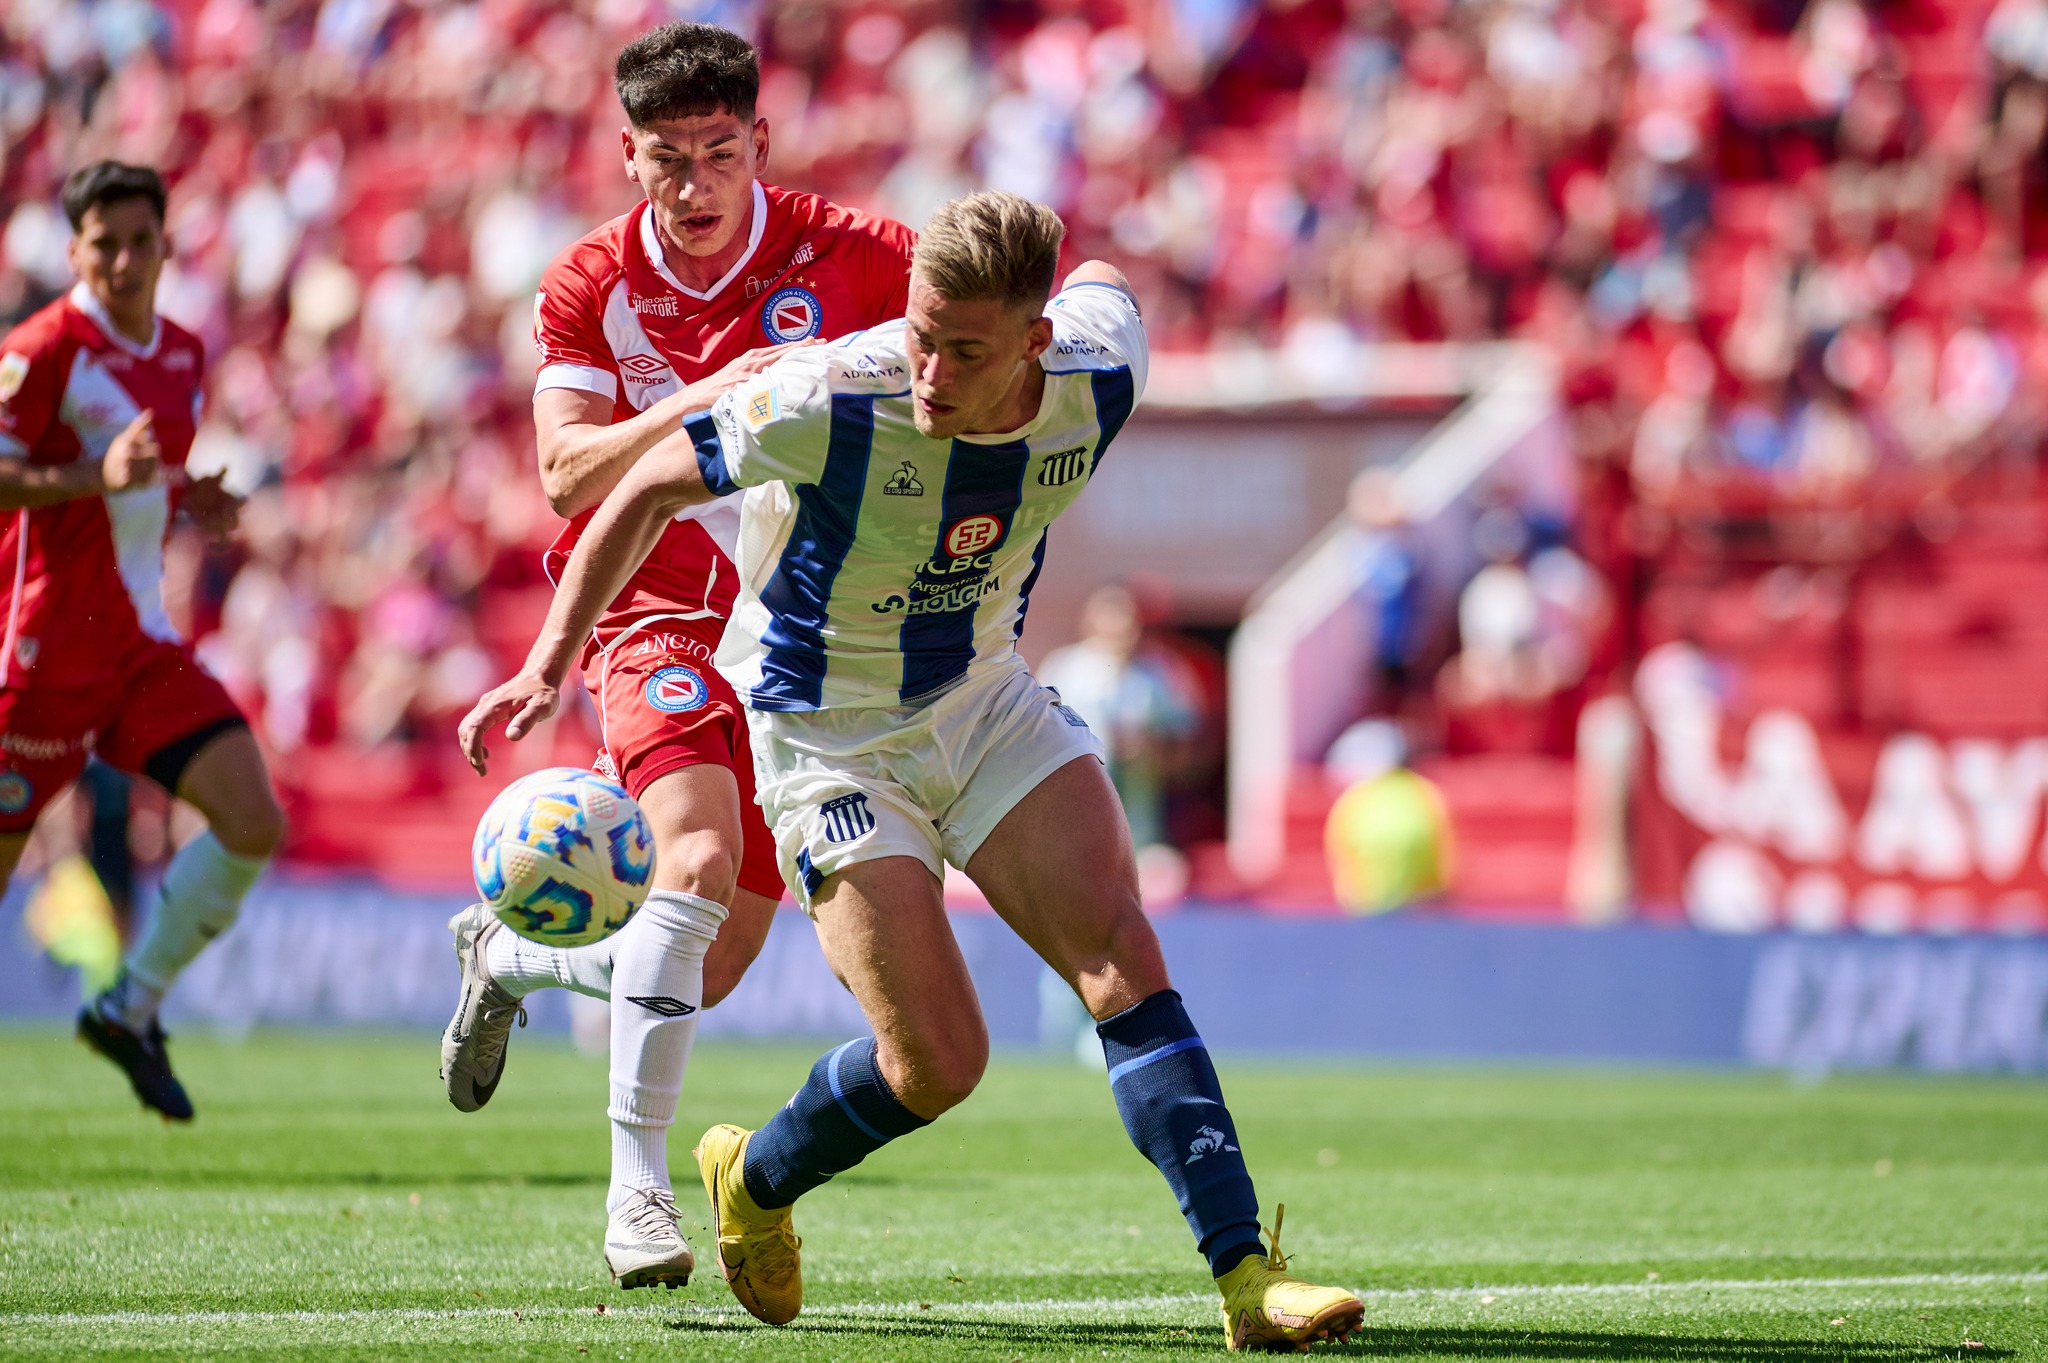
930,781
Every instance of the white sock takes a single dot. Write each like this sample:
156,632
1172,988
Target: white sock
657,988
200,895
520,966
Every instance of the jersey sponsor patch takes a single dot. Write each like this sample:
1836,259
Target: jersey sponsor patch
15,792
792,314
13,374
972,535
675,689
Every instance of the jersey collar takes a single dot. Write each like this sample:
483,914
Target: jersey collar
82,299
650,241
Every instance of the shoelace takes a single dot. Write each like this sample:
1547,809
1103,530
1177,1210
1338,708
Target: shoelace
490,1037
653,1218
775,1249
1275,1260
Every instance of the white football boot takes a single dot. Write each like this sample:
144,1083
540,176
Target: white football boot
643,1247
473,1047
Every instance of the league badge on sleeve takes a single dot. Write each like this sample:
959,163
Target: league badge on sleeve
676,689
792,314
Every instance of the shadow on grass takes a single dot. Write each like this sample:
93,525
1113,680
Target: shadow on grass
1377,1342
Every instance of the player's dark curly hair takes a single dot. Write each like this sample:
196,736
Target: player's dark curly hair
681,70
108,182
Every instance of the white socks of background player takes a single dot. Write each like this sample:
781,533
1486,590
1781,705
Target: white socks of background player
199,897
657,988
519,967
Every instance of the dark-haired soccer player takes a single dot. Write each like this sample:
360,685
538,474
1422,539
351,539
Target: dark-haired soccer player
677,292
896,729
99,398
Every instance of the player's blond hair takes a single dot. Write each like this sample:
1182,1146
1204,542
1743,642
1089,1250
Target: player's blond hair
991,245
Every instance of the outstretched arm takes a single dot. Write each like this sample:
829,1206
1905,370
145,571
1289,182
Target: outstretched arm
612,548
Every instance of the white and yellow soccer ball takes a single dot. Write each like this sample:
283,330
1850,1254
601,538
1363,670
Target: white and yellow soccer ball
563,857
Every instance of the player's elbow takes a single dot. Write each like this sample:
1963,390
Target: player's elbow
568,494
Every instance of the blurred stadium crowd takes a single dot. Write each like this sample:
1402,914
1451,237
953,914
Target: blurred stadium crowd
1788,251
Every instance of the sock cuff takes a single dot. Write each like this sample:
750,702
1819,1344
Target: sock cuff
234,873
636,1106
1156,1020
691,913
855,1078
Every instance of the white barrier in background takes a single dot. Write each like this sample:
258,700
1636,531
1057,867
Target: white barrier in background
1300,664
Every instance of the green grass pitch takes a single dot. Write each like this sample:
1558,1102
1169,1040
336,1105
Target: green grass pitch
329,1205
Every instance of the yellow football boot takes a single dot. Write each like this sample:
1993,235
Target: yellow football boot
1264,1308
757,1250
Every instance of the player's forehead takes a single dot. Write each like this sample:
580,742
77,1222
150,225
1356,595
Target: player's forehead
129,216
696,133
933,314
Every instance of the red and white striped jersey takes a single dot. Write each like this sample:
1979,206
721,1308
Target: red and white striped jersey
81,581
612,319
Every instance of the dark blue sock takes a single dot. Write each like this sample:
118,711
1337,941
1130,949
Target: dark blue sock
842,1114
1172,1105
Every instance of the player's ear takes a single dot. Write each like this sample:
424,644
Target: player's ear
760,146
626,144
1040,337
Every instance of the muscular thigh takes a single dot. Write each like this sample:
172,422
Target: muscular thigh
883,928
1060,871
694,813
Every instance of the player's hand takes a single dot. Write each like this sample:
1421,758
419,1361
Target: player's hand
214,509
699,396
131,461
519,705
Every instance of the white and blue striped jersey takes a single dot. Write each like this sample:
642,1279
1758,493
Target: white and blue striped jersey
879,566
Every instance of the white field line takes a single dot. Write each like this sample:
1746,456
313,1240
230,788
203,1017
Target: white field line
1015,1309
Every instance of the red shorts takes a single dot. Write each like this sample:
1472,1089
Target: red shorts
662,707
129,717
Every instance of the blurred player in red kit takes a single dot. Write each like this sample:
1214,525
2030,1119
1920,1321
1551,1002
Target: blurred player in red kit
695,289
99,398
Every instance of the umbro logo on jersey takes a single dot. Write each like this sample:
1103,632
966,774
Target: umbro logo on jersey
656,307
903,482
663,1004
1064,467
847,817
644,368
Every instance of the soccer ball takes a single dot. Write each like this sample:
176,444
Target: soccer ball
563,857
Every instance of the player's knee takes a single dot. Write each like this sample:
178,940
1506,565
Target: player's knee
254,831
698,864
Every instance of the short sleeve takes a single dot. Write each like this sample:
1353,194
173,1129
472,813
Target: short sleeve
1097,326
568,330
31,388
887,294
773,428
